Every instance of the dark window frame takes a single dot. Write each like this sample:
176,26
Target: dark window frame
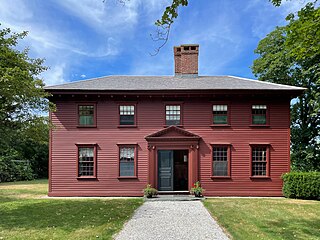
267,147
181,113
228,114
266,115
94,146
94,114
135,115
125,145
228,146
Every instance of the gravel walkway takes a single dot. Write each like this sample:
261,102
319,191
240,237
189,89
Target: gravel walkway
172,220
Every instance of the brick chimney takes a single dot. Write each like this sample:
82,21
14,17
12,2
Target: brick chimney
186,60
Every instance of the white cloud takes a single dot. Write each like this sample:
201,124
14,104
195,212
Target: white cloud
54,75
82,75
104,17
15,10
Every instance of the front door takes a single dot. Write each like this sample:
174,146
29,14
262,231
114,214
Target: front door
165,172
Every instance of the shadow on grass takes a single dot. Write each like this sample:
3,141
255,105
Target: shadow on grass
68,215
293,228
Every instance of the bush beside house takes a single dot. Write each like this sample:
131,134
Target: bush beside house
15,170
304,185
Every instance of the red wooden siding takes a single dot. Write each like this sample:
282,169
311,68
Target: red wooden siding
150,115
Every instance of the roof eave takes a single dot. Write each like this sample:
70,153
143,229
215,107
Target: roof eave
291,92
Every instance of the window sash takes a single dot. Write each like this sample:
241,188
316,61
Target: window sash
126,120
220,168
220,161
173,114
127,161
127,110
259,114
220,114
86,115
127,114
259,160
86,161
259,168
220,119
259,119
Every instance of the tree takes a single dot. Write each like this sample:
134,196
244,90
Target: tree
170,14
22,100
291,55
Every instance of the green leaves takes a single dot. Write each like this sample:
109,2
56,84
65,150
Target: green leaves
305,185
24,133
171,13
21,90
291,55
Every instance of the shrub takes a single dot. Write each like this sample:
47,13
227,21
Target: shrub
150,192
15,171
197,190
304,185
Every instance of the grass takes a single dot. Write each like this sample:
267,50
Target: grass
264,218
24,214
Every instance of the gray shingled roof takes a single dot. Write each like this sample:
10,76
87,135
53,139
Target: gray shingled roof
152,83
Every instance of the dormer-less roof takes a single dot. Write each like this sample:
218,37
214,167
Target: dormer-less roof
167,83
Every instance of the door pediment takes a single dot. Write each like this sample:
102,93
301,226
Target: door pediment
172,133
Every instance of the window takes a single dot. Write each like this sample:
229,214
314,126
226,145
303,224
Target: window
173,116
260,159
220,114
259,114
221,161
86,115
86,161
127,161
127,115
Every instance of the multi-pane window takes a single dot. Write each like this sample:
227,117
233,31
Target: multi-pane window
127,115
220,158
259,114
86,161
173,115
220,114
86,115
127,158
259,161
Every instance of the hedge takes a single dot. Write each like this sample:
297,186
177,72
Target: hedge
15,171
304,185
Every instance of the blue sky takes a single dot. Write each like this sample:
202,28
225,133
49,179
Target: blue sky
91,38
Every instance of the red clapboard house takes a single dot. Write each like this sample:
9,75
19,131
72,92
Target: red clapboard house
115,134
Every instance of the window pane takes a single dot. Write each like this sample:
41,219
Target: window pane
218,108
259,106
126,168
259,119
220,168
220,119
86,120
86,161
126,120
127,161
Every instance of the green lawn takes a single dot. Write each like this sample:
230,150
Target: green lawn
262,218
25,214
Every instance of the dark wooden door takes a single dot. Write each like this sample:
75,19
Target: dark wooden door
165,170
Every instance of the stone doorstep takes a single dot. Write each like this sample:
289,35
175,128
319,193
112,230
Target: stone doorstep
175,198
